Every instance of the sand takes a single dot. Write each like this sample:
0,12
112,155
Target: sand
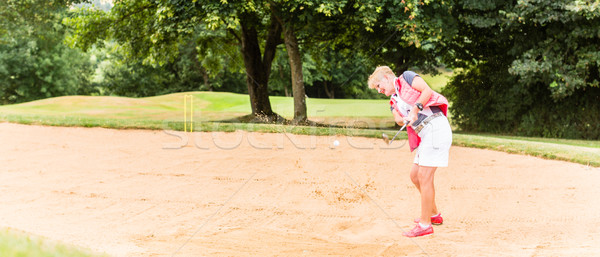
141,193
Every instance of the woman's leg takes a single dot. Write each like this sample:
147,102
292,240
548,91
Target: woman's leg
428,207
414,176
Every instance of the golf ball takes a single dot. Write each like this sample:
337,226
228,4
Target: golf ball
336,143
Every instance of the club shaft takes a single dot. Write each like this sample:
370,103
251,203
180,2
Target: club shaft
397,133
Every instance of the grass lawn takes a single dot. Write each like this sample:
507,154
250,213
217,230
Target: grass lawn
208,106
17,244
366,118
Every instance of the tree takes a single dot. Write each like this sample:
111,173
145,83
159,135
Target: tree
258,69
342,73
311,23
34,61
116,75
153,30
529,67
293,50
294,16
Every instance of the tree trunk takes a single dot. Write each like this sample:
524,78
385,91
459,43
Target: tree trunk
258,67
285,89
402,64
205,77
291,45
330,94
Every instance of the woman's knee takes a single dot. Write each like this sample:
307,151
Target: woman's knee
414,174
425,174
414,178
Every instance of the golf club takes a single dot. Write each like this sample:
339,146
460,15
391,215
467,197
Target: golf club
387,139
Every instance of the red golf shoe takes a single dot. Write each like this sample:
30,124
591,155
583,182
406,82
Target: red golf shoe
435,220
419,231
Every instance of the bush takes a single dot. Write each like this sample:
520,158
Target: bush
486,98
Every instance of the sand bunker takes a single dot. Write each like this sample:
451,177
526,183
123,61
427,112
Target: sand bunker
140,193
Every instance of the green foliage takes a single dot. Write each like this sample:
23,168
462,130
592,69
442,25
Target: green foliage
344,72
401,34
485,100
157,40
575,116
562,39
328,73
152,31
117,75
34,62
531,67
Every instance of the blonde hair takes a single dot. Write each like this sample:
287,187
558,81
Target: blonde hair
378,74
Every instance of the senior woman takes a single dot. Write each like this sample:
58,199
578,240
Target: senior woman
424,112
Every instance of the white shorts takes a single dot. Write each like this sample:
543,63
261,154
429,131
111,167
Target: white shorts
436,139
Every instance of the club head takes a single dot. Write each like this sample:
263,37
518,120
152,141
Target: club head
386,139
